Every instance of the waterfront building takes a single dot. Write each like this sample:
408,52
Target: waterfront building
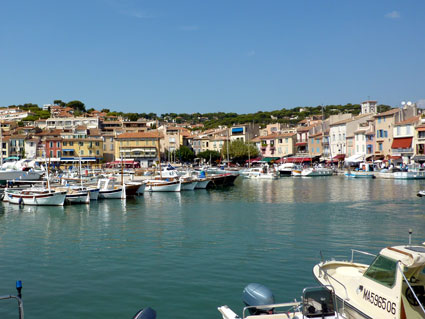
138,146
53,146
301,145
17,145
384,128
276,145
89,149
315,144
419,142
243,132
402,146
337,135
134,126
30,146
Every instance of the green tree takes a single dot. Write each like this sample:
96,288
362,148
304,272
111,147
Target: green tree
239,151
207,155
59,102
185,154
77,106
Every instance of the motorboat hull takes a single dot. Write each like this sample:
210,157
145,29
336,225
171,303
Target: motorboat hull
359,174
316,172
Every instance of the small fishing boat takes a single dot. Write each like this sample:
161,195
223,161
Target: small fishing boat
188,184
132,188
392,286
316,302
77,196
37,196
108,189
141,186
159,185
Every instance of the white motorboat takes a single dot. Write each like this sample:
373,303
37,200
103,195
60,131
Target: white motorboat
392,286
316,171
35,196
261,173
285,169
160,185
421,193
108,189
317,302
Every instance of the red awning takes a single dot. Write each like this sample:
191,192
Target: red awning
404,142
295,160
395,157
339,157
420,129
301,144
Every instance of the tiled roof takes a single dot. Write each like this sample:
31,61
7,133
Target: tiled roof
411,120
388,113
151,134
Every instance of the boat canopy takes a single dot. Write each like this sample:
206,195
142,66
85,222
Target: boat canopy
410,256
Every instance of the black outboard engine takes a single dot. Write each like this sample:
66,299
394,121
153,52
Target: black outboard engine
145,313
258,295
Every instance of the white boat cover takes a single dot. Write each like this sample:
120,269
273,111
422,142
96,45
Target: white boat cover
410,256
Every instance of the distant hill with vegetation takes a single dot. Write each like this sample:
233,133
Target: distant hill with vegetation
211,120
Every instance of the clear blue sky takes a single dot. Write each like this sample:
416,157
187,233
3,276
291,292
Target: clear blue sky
206,56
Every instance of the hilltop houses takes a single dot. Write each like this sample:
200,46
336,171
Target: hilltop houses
396,135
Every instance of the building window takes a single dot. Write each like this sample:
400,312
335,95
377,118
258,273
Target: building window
58,153
97,152
318,150
398,130
64,143
58,144
408,129
51,153
380,146
71,143
51,144
81,152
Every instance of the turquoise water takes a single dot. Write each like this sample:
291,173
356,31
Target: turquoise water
184,254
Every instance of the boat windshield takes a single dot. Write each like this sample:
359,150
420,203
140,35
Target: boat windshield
318,302
383,271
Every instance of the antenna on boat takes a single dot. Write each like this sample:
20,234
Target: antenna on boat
410,236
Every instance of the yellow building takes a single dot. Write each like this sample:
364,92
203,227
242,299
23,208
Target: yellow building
138,146
88,149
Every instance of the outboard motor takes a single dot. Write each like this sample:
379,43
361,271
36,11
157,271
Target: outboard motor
146,313
257,295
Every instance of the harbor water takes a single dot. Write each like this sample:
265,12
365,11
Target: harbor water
186,253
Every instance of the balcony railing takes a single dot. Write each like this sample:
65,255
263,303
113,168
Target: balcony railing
402,150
